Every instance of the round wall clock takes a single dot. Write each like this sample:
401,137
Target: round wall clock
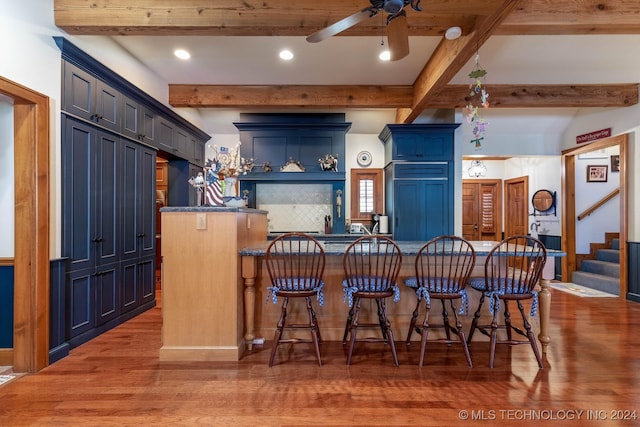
364,158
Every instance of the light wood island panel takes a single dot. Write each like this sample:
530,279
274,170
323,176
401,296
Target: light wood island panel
203,293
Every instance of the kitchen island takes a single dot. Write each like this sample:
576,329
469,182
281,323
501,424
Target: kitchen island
203,295
332,315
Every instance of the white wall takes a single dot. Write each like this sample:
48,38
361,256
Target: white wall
6,180
620,120
32,59
544,174
606,218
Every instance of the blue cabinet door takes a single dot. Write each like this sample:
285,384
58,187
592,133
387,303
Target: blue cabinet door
89,193
80,303
408,210
421,209
137,199
107,293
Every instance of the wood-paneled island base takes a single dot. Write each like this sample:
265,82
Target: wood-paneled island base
203,292
333,314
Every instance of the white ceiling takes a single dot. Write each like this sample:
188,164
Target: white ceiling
354,60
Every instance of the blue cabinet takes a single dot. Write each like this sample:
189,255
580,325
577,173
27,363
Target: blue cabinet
111,132
138,121
90,98
278,138
419,180
108,222
89,197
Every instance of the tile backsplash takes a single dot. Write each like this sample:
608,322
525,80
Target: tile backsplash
295,206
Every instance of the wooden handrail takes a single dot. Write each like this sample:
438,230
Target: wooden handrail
598,204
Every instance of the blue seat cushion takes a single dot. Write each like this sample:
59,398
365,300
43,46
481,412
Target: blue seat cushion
292,284
368,284
434,284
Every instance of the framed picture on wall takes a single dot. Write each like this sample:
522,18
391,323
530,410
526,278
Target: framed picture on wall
597,173
615,163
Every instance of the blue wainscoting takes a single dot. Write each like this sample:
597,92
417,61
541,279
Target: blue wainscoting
633,271
6,306
58,345
553,242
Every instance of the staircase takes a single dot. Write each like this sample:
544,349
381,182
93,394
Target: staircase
601,269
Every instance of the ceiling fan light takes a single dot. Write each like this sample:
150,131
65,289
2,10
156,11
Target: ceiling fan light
453,33
385,55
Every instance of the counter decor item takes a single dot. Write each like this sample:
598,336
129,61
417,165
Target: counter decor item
198,183
292,165
222,175
329,163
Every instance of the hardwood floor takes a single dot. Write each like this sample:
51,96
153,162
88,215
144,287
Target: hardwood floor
591,376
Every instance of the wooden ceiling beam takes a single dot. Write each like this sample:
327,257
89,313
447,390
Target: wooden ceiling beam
541,96
296,18
541,17
452,96
230,96
448,58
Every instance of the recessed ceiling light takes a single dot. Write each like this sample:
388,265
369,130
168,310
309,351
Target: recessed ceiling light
286,54
182,54
453,33
385,55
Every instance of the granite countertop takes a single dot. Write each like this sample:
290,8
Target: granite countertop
209,209
406,247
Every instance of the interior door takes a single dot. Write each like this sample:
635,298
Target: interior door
481,209
516,205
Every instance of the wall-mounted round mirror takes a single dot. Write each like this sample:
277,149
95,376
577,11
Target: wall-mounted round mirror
543,200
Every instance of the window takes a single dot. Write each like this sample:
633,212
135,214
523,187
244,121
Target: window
366,193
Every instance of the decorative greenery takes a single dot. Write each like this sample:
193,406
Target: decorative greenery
479,98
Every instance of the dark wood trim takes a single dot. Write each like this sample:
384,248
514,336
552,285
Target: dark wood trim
31,285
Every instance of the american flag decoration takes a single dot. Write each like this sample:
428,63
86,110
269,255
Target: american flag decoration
213,194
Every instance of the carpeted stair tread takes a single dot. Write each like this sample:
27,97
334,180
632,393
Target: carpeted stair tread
609,255
605,268
596,281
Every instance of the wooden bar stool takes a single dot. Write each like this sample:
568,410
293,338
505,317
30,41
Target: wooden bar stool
511,272
295,262
371,268
443,266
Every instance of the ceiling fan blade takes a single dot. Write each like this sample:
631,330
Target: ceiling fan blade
398,37
341,25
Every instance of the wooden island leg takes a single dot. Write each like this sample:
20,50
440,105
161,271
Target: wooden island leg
544,300
249,276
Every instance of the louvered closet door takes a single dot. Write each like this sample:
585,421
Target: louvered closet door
482,209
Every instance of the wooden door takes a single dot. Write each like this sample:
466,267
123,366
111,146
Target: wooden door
481,209
516,206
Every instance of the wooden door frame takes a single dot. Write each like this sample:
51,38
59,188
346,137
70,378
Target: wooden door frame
569,214
525,180
31,248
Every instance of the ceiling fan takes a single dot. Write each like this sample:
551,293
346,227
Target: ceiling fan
397,27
